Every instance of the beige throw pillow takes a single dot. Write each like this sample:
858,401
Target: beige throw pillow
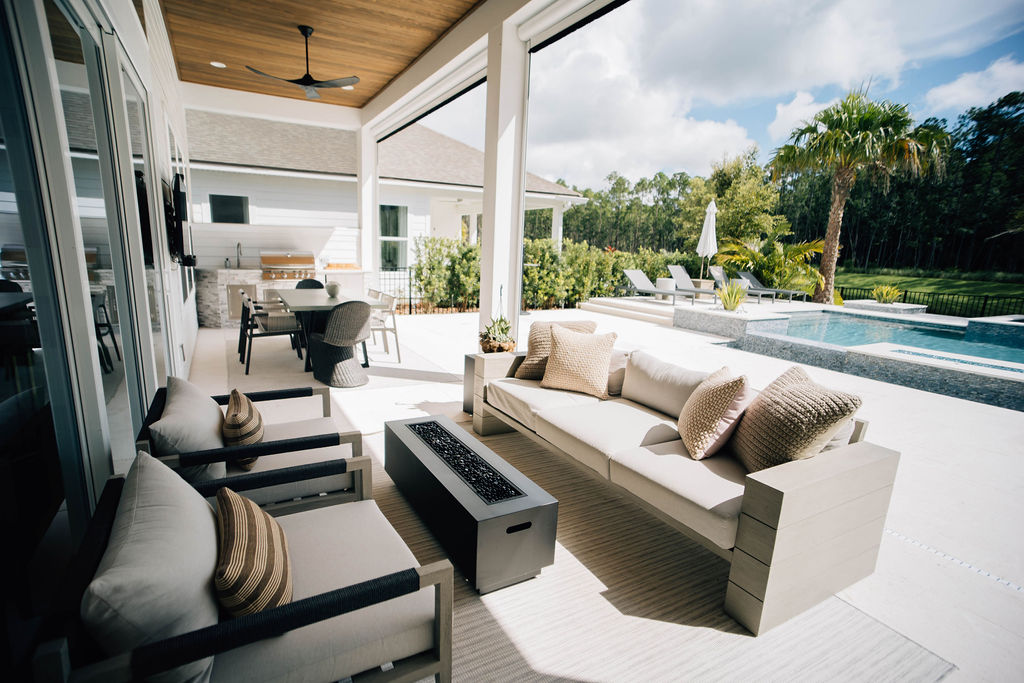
539,346
579,362
253,571
243,425
793,418
712,413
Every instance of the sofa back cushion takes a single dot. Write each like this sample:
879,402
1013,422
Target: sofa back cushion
793,418
579,362
617,371
156,576
539,346
658,384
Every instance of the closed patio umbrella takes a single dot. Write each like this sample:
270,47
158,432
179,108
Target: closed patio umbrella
708,244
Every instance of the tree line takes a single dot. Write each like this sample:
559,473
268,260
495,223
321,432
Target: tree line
968,218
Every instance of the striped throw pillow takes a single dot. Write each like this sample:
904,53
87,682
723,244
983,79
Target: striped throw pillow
253,571
243,425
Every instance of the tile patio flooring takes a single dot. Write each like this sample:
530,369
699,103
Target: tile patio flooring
951,568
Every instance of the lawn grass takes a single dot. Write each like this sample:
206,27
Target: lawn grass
932,284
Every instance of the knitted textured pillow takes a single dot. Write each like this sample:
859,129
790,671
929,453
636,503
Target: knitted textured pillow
712,412
243,426
253,571
579,362
792,418
539,346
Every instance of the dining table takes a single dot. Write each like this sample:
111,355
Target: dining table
306,302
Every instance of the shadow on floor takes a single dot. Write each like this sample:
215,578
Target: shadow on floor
419,375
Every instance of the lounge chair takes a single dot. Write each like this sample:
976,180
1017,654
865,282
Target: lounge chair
721,281
685,284
640,283
754,282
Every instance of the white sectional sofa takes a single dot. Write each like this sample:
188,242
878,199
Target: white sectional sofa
795,533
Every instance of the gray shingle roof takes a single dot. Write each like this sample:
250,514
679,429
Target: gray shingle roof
416,153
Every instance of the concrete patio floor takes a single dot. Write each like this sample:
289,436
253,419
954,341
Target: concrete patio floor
951,567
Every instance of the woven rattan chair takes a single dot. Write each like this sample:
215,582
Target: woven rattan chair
333,351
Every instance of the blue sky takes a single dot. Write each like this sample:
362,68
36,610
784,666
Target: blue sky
670,85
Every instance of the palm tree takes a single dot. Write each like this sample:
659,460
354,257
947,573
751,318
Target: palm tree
858,135
784,266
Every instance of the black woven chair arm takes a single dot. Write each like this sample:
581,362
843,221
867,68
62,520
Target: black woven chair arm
188,647
285,475
300,443
272,395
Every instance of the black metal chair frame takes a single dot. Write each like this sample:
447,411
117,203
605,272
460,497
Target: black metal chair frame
249,325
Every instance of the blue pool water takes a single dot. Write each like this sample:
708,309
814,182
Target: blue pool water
843,329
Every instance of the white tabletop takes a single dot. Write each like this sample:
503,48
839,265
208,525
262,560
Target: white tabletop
302,300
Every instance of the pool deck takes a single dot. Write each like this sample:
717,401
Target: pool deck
950,574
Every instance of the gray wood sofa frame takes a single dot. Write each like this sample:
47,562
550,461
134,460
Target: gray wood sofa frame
807,529
53,660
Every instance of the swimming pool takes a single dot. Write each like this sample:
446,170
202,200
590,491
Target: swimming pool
844,329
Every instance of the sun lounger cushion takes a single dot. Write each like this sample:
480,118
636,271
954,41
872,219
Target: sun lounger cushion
591,433
156,577
333,547
658,384
704,495
539,346
524,398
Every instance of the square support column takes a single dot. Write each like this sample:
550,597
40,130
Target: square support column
501,240
556,226
368,209
474,228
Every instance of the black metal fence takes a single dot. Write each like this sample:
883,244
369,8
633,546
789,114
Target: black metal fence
398,283
961,305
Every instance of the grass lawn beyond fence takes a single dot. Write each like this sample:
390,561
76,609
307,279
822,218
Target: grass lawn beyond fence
932,284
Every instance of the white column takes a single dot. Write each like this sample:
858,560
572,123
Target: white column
368,209
474,228
501,239
556,226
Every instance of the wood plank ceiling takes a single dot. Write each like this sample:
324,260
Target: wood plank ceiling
372,39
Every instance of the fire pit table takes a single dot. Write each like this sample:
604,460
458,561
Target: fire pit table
496,524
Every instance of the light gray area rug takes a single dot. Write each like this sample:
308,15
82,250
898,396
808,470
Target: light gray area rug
630,599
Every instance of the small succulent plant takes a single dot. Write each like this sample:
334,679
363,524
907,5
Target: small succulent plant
886,294
499,330
732,295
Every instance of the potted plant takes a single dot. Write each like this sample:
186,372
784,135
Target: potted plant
886,294
732,295
497,336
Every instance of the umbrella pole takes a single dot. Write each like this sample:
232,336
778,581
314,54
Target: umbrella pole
702,268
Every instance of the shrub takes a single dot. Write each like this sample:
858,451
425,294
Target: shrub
430,274
464,275
885,294
543,276
732,296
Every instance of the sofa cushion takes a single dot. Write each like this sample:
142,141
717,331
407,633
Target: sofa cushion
539,346
591,433
579,362
712,412
191,421
156,576
333,547
704,495
792,418
659,384
243,425
253,572
617,371
522,399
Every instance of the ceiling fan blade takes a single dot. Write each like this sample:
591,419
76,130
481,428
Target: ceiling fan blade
338,82
257,71
311,93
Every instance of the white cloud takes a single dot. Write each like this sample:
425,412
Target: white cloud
978,88
790,116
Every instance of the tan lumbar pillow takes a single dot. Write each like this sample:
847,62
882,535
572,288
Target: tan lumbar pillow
253,571
712,413
793,418
243,425
579,362
539,346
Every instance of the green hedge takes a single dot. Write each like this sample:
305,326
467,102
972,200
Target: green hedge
447,272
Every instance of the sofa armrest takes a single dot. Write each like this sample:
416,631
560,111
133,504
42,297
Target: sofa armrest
808,529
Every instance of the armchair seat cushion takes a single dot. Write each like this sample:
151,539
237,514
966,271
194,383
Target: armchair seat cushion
524,398
591,433
334,547
705,495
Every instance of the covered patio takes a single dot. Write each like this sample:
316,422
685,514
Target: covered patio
629,598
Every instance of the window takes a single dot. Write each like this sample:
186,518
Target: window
225,208
394,237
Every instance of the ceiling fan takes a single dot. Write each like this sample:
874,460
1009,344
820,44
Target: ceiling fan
307,82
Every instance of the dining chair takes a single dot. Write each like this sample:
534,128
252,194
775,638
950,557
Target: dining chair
309,283
333,350
101,319
384,320
257,322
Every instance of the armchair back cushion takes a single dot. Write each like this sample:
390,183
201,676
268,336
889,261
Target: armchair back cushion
191,421
156,576
658,384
